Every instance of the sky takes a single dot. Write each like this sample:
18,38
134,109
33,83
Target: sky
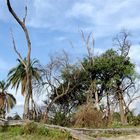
53,24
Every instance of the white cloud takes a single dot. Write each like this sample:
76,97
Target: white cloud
81,9
135,56
102,17
135,53
46,14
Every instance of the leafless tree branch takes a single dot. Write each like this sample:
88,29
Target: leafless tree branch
14,45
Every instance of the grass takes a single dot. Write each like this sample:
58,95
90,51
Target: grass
32,132
108,134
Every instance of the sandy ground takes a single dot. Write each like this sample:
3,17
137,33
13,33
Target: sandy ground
130,137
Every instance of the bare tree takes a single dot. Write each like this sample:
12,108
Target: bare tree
53,82
26,65
122,41
131,94
88,42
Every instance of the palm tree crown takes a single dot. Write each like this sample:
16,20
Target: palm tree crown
7,100
17,75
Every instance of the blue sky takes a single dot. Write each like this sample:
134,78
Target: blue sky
53,23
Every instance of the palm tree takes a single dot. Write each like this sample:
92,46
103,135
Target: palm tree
17,76
7,100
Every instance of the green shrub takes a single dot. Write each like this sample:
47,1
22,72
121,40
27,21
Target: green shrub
3,128
43,131
116,117
116,124
60,118
136,120
29,128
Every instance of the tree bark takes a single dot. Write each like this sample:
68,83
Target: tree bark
27,65
26,107
121,106
96,95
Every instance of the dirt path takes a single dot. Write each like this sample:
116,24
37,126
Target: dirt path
130,137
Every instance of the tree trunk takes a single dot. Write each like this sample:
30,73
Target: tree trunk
26,107
28,94
97,101
27,65
121,107
96,95
108,109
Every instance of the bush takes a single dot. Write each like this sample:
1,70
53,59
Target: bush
29,128
61,119
136,120
116,124
43,131
116,117
87,116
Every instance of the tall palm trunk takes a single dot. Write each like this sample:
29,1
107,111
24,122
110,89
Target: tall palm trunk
27,97
26,107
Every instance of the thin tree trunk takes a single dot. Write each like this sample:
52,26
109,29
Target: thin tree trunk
27,66
26,107
121,107
96,95
108,109
97,101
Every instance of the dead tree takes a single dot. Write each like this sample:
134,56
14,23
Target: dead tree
88,42
53,84
131,95
26,65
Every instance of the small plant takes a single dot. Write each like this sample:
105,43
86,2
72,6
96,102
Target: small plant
116,124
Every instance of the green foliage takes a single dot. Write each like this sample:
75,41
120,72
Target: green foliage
8,101
136,120
60,118
116,117
29,128
39,132
43,131
130,117
17,75
14,130
57,134
116,124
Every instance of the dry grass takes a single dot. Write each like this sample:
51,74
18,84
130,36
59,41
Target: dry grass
87,116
